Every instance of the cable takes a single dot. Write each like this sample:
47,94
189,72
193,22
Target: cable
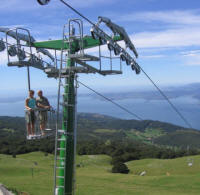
77,12
162,93
108,99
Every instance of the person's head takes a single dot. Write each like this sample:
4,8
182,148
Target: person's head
31,93
40,94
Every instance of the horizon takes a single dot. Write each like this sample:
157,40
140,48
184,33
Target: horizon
138,101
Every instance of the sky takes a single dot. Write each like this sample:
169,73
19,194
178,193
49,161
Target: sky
165,33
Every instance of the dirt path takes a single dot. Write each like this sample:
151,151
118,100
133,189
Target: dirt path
4,191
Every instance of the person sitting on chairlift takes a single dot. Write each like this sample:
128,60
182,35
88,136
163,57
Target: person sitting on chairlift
30,105
43,105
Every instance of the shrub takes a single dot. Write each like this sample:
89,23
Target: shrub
120,168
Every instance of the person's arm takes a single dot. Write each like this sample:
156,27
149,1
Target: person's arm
48,104
26,105
43,106
40,105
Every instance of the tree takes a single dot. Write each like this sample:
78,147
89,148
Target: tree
120,168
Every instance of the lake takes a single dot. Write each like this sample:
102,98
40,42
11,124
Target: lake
153,109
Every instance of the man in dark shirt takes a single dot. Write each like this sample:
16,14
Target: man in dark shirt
44,106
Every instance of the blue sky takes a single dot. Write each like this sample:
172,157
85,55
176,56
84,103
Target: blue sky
166,34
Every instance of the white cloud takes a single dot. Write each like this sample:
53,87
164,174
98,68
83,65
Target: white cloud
191,58
182,37
183,30
190,53
187,17
152,56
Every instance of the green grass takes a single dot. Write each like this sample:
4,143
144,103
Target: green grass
152,133
164,177
106,131
145,136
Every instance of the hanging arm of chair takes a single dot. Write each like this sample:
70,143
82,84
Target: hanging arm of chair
116,29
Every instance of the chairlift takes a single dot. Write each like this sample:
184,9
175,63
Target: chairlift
50,125
22,49
12,51
43,2
51,120
21,54
2,45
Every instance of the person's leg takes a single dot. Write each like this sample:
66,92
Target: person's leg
28,122
29,129
33,123
45,120
42,122
33,128
42,128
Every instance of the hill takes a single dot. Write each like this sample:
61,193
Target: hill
104,128
96,126
167,177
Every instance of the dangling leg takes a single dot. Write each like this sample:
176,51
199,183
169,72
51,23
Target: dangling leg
42,122
32,123
42,128
33,128
29,129
28,124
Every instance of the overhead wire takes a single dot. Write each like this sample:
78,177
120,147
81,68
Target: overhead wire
110,100
167,99
161,92
77,12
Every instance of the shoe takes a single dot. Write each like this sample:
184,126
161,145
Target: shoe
33,136
28,137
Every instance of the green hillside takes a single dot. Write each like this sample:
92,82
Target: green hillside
103,128
180,138
168,177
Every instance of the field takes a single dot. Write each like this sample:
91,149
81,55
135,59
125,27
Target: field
33,173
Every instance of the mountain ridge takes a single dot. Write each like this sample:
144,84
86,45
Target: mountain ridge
93,126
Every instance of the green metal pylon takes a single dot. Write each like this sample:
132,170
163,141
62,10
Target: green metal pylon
69,114
68,125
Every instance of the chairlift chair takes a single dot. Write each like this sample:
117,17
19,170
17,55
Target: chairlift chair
50,121
50,128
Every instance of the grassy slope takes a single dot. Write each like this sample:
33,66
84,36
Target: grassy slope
94,178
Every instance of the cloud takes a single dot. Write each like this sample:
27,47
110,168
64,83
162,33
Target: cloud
186,17
152,56
190,53
169,38
191,58
181,28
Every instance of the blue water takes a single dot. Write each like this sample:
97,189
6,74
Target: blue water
154,109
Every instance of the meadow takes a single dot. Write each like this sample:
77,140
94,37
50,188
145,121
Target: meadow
33,173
